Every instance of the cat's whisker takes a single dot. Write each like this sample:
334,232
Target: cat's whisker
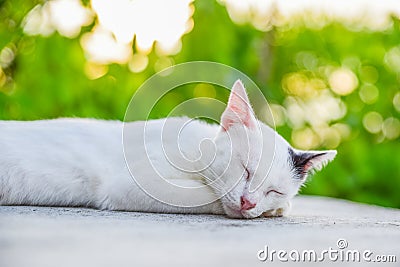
217,184
214,184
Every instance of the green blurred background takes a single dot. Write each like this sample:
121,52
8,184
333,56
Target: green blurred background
332,82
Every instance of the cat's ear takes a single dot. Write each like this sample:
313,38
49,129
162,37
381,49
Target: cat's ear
306,162
238,110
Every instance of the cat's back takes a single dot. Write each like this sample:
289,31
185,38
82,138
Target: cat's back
64,124
68,134
59,144
25,135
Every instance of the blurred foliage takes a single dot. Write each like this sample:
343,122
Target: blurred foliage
46,79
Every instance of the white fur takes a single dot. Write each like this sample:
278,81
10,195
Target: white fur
80,162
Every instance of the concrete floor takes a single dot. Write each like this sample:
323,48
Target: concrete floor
41,236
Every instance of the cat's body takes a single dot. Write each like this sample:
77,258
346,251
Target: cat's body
242,168
80,162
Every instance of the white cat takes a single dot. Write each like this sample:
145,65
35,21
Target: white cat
242,168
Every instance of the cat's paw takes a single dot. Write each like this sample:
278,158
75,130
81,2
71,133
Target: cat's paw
279,212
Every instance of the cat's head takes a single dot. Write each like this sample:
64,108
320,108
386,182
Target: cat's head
255,170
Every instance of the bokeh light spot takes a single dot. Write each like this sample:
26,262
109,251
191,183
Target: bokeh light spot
138,62
396,101
300,85
391,128
305,138
343,129
94,71
295,112
6,57
392,59
343,81
329,136
277,116
369,93
372,122
306,60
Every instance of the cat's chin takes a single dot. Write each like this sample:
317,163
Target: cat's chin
233,213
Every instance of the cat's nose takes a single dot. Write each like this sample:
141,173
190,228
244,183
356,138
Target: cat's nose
246,204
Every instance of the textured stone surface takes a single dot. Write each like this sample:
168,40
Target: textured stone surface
41,236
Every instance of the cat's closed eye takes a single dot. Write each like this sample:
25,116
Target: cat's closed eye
273,191
246,174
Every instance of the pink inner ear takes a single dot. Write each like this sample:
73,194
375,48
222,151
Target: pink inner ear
245,120
308,166
238,110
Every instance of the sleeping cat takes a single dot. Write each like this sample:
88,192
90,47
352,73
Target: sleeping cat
241,168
